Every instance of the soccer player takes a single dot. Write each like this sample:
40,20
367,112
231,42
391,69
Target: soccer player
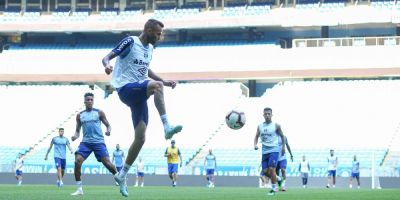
19,167
130,78
332,164
118,159
304,169
281,166
210,165
90,121
172,153
355,172
140,173
60,155
269,132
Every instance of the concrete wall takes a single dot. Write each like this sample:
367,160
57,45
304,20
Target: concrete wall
190,180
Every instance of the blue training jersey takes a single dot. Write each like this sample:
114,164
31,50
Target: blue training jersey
210,161
269,138
118,158
356,167
91,126
60,144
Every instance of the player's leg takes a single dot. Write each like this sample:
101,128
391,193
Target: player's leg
334,179
272,164
358,180
278,178
306,179
141,179
156,88
329,179
283,172
84,150
137,179
351,181
79,159
135,96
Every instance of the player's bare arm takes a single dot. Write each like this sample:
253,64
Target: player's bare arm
290,151
103,119
70,148
155,77
280,133
106,62
256,139
78,127
48,151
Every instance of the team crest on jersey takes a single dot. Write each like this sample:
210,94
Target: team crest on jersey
146,55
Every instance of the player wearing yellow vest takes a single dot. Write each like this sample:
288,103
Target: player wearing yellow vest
172,154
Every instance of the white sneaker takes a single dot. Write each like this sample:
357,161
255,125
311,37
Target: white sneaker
136,185
333,186
350,186
141,185
77,193
304,186
171,131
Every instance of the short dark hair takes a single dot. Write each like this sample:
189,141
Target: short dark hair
151,23
267,109
60,129
88,94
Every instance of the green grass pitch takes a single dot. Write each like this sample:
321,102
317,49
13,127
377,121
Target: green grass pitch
40,192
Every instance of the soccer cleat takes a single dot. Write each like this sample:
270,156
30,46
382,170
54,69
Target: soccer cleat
271,193
122,186
333,186
358,187
327,186
304,186
77,193
283,189
173,183
350,186
60,184
171,131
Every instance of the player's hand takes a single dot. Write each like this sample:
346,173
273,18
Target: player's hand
107,133
171,84
255,147
108,69
73,138
291,158
180,165
45,158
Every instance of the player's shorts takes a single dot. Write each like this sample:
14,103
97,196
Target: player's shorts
209,171
269,160
118,169
281,164
135,96
18,172
99,149
304,175
172,168
60,162
355,175
331,172
140,174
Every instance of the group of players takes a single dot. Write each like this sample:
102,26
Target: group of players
130,78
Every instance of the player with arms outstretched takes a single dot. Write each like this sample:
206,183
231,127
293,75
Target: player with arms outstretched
130,78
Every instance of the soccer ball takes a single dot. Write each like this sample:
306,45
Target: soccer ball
235,119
